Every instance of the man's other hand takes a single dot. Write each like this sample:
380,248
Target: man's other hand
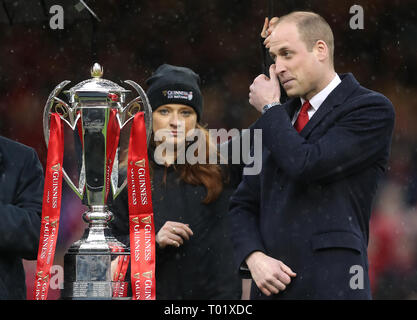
270,275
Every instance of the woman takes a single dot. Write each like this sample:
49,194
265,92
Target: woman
194,258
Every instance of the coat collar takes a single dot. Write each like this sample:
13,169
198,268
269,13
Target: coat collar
335,98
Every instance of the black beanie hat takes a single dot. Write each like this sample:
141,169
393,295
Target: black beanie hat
171,84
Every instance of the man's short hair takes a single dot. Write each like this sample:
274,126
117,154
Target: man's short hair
311,27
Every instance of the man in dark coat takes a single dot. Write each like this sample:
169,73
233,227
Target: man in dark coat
301,226
21,187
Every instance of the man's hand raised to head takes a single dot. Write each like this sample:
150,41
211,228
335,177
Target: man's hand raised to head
268,26
264,90
267,29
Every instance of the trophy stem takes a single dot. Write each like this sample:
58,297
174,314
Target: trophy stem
97,217
97,214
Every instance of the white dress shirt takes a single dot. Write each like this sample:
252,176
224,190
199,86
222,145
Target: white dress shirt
318,99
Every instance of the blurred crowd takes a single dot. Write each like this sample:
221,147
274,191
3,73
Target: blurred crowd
220,41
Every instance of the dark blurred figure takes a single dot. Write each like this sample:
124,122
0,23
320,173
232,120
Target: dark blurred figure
392,245
21,187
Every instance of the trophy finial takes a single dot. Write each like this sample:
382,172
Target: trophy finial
96,71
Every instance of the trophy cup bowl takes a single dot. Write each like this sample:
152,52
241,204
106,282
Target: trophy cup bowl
89,262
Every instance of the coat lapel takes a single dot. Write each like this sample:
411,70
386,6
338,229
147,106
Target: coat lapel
1,161
335,98
292,106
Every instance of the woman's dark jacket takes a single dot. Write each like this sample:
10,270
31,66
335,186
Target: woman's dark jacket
201,268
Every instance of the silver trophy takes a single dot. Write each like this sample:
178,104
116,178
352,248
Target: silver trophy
89,262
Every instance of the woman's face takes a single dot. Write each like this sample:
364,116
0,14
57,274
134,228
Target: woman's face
173,122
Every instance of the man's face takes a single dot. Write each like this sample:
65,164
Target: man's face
297,68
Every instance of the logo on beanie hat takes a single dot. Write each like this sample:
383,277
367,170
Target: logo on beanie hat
178,94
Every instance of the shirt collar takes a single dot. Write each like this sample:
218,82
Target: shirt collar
319,98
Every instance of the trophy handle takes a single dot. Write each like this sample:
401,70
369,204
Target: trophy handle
147,109
124,116
64,110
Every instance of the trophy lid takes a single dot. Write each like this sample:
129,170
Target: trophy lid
96,85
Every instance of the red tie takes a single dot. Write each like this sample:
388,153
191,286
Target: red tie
302,118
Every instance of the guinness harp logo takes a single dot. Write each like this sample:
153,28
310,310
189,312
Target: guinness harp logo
136,275
47,220
41,277
53,224
135,219
140,163
56,167
147,275
146,220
